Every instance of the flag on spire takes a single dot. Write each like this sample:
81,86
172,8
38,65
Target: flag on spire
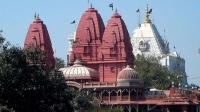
111,6
73,22
35,15
150,11
138,10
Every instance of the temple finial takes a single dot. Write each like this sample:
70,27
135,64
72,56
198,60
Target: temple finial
116,10
147,20
91,5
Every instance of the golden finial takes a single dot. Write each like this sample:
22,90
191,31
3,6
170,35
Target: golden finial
147,20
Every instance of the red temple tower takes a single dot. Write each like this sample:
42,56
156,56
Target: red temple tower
88,38
107,51
116,49
38,36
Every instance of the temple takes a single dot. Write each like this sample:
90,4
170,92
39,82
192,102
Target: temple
101,61
38,36
147,41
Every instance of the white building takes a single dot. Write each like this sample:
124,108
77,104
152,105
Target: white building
147,41
71,39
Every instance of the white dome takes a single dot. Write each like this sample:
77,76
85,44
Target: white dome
78,71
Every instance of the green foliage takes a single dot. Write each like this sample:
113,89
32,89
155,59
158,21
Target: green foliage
152,74
105,109
28,87
34,55
81,100
60,63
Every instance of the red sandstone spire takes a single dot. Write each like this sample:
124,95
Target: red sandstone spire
88,36
116,43
116,49
38,36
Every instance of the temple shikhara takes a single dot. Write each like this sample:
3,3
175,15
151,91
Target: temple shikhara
101,60
38,36
147,41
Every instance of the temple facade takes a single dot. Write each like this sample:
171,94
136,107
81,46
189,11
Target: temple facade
101,61
147,41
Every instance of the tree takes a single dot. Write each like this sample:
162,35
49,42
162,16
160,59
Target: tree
82,100
60,63
153,74
106,109
26,86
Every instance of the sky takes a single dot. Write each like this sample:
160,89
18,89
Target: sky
179,18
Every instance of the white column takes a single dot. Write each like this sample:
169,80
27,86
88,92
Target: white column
198,106
197,109
137,108
148,107
129,108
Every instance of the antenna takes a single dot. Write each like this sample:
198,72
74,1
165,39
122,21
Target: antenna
138,16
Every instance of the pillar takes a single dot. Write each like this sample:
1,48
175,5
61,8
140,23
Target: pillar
117,96
197,108
164,108
168,108
101,97
137,108
120,94
129,96
129,108
137,94
148,107
109,96
184,108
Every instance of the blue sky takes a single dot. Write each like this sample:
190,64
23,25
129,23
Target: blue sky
180,19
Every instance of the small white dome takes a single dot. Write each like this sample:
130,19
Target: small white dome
78,71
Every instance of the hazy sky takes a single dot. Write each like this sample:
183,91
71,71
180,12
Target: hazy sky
179,18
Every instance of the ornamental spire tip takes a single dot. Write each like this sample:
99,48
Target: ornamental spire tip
147,20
